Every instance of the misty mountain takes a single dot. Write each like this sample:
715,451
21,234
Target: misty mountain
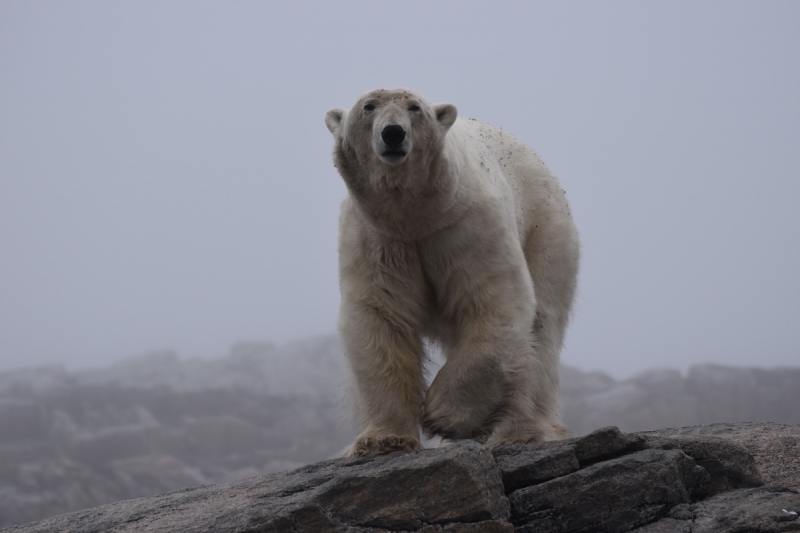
148,424
666,398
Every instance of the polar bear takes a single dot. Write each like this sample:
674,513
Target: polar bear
453,232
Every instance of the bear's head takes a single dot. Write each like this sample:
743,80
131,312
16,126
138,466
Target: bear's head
389,128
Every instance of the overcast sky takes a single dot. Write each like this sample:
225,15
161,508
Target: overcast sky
166,177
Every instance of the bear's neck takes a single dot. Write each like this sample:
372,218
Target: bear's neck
410,201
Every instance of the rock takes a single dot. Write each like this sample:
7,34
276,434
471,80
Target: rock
763,510
729,466
529,464
605,443
775,447
458,484
455,486
614,495
699,479
477,527
525,465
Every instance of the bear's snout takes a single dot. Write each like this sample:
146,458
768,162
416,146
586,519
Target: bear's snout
393,135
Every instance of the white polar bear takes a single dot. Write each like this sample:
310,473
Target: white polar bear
455,232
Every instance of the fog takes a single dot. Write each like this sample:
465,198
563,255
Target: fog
166,178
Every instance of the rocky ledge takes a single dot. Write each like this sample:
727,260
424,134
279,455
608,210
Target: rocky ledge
721,477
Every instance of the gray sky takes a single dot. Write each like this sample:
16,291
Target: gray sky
166,178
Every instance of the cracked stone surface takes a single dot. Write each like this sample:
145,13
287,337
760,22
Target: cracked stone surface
774,447
763,510
697,479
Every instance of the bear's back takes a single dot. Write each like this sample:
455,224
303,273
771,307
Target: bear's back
531,190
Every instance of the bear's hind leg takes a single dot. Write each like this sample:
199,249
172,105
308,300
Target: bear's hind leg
539,420
483,382
466,396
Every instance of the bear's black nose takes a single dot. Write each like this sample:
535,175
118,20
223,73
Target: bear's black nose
393,135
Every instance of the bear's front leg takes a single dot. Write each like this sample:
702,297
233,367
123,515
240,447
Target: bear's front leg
387,379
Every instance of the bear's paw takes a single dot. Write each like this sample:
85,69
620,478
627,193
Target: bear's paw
380,444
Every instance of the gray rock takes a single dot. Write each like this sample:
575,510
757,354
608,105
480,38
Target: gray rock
763,510
475,527
605,443
774,447
729,466
525,465
453,486
522,465
613,495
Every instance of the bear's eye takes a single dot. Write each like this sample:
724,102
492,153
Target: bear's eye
369,107
414,107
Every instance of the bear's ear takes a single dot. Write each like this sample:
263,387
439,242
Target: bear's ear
334,120
445,115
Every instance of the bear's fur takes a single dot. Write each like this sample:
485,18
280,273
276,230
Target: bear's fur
455,232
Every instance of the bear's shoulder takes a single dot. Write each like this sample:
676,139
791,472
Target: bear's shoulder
486,141
485,133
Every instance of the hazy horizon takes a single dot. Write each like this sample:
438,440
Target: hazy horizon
77,367
166,179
